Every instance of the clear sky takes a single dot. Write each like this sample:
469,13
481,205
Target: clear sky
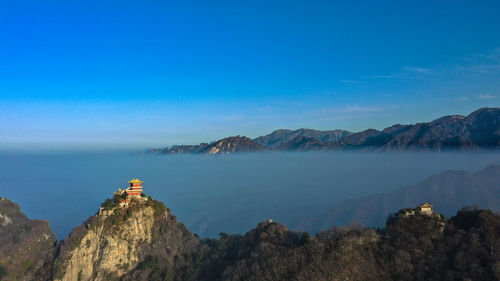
155,73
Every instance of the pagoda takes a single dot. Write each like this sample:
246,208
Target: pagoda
132,192
135,188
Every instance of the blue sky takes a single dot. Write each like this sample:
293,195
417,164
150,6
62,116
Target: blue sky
155,73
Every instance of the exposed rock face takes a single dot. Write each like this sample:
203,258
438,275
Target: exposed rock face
232,144
27,247
111,246
223,146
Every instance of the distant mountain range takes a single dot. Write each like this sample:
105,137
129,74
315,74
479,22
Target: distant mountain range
448,191
478,130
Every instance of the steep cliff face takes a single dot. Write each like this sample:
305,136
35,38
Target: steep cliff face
26,246
110,246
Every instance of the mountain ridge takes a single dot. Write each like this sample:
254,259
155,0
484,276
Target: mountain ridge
478,130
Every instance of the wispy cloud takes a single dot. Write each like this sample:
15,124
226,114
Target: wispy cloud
418,69
351,81
235,117
478,97
481,68
349,109
486,97
406,72
266,108
482,63
382,76
348,112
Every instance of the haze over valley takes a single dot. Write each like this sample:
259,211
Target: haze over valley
214,194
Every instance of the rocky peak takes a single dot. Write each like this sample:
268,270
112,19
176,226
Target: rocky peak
26,246
111,246
233,144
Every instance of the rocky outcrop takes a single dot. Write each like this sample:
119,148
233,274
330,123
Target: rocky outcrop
231,145
110,246
27,247
223,146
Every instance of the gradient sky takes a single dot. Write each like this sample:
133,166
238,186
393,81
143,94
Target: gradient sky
155,73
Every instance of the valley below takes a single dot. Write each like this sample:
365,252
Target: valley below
231,193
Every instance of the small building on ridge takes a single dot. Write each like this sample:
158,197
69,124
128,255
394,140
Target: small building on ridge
426,209
133,192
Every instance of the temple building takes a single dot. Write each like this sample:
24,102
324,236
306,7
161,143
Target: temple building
426,209
133,192
135,188
123,197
